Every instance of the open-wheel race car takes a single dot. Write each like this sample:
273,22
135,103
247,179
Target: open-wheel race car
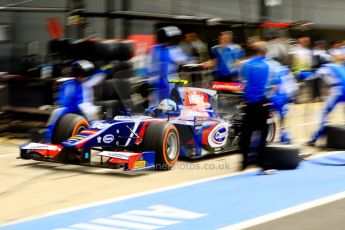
186,125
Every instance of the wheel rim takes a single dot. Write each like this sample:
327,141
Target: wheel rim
270,133
79,129
171,146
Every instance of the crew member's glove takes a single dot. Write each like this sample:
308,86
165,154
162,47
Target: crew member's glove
107,68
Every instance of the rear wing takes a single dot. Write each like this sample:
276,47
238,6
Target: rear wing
192,96
229,87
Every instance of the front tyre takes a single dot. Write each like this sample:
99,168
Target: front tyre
69,125
163,139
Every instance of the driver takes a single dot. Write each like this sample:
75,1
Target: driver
165,107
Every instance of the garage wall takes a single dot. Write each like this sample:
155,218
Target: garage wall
323,13
246,10
27,27
96,26
216,8
6,48
32,26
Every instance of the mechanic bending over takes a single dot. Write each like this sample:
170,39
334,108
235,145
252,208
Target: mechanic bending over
285,92
224,57
76,95
337,52
164,61
302,59
334,76
301,56
258,75
319,52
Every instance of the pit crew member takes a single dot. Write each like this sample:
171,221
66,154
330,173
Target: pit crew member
224,56
257,75
164,61
285,91
334,75
76,95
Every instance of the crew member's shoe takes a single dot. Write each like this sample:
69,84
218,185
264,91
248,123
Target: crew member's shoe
244,166
284,137
311,143
269,171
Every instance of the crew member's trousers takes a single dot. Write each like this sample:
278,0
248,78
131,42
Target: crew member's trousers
255,119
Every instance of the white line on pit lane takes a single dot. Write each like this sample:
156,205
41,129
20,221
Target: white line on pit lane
102,170
285,212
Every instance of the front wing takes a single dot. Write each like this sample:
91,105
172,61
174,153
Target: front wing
130,161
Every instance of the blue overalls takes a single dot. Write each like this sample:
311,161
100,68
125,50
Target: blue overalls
257,75
225,60
282,96
163,66
258,83
334,74
237,51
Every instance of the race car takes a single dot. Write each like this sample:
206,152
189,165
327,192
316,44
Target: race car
186,125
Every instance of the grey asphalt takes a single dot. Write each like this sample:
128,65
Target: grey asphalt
326,217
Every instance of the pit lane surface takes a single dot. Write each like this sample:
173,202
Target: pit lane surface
328,216
34,188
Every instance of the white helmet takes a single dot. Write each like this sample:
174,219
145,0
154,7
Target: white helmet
167,105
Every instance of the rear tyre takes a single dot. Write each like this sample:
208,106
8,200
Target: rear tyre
271,133
163,139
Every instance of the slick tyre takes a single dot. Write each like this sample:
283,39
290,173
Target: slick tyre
163,139
61,46
335,136
107,50
283,156
83,50
67,126
110,50
126,50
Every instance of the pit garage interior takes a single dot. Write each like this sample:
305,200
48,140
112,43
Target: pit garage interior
209,192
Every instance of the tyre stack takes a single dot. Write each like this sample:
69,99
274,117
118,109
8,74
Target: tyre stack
100,52
114,94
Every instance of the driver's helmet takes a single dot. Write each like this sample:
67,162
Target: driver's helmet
167,105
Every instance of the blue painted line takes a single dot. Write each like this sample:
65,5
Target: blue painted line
226,201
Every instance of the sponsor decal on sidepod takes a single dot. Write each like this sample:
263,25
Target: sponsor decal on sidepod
108,138
217,136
